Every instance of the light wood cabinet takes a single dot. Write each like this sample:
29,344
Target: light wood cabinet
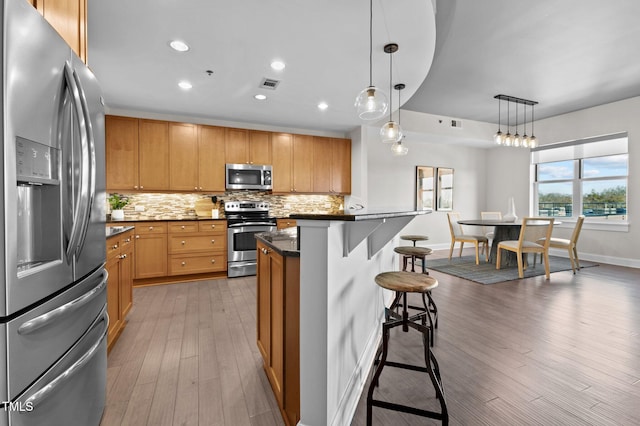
331,165
278,327
183,157
247,146
69,18
282,150
119,285
151,250
121,135
197,247
137,154
302,162
149,155
211,158
153,152
285,223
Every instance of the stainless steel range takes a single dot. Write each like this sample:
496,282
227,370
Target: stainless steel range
244,220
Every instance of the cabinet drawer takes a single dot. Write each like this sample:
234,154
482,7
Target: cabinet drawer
113,247
126,240
151,228
286,223
213,226
191,243
176,227
181,265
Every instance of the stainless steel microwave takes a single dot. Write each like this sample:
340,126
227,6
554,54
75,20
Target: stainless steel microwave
248,176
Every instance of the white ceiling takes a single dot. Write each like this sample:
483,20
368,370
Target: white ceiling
567,55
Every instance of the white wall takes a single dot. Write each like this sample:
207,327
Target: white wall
486,176
390,181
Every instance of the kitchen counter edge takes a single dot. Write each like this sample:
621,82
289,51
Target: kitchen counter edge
112,231
357,215
283,242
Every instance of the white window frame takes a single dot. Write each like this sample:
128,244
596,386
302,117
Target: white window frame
576,151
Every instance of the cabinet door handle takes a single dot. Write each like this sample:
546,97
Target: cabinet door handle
183,242
114,247
128,240
213,261
137,237
184,263
213,226
135,186
141,187
124,256
151,228
182,227
213,241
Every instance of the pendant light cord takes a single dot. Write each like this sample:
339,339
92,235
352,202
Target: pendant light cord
370,43
390,86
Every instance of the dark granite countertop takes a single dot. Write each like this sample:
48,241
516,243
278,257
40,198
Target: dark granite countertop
163,219
112,231
353,215
285,241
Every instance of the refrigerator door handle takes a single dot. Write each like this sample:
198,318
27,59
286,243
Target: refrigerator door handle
79,210
90,162
51,316
51,387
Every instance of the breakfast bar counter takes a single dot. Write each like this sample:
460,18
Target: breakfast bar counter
341,307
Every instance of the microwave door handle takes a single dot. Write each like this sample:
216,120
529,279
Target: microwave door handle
75,96
52,386
89,161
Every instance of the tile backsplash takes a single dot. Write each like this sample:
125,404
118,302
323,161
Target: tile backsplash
144,206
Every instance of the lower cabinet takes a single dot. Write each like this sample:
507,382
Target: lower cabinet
120,283
151,249
278,327
197,247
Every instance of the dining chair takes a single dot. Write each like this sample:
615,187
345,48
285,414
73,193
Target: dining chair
570,245
457,235
532,231
488,230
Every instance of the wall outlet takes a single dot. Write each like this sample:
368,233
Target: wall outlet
139,208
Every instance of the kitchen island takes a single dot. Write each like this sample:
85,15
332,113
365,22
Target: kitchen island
341,307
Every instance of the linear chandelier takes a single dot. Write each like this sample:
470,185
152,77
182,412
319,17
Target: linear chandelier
515,140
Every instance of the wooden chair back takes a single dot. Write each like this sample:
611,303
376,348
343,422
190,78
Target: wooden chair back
454,226
577,229
530,232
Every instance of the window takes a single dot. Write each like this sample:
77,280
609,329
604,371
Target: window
586,177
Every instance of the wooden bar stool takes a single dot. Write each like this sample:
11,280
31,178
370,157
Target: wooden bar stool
414,253
402,283
414,238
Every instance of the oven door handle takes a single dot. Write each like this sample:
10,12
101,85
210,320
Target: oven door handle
242,225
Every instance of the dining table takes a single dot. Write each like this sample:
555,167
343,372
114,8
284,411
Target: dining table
503,231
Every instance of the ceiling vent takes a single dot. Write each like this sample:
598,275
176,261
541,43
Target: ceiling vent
269,83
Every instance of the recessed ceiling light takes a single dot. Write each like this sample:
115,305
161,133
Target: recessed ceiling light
323,106
277,65
178,45
185,85
260,97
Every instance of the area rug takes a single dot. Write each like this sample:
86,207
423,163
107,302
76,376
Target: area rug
486,273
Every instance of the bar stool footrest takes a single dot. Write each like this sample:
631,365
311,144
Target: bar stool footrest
406,409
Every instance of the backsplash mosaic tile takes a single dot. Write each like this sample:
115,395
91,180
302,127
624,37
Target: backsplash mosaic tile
159,206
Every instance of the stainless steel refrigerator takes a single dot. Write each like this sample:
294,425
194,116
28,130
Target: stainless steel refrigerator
53,321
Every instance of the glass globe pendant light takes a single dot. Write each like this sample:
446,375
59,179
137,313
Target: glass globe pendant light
371,103
398,149
517,139
533,141
525,138
391,131
508,138
499,136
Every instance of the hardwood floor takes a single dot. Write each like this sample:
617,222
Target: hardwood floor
526,352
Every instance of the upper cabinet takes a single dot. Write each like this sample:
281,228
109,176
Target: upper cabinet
247,146
183,157
137,154
152,155
69,18
211,158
